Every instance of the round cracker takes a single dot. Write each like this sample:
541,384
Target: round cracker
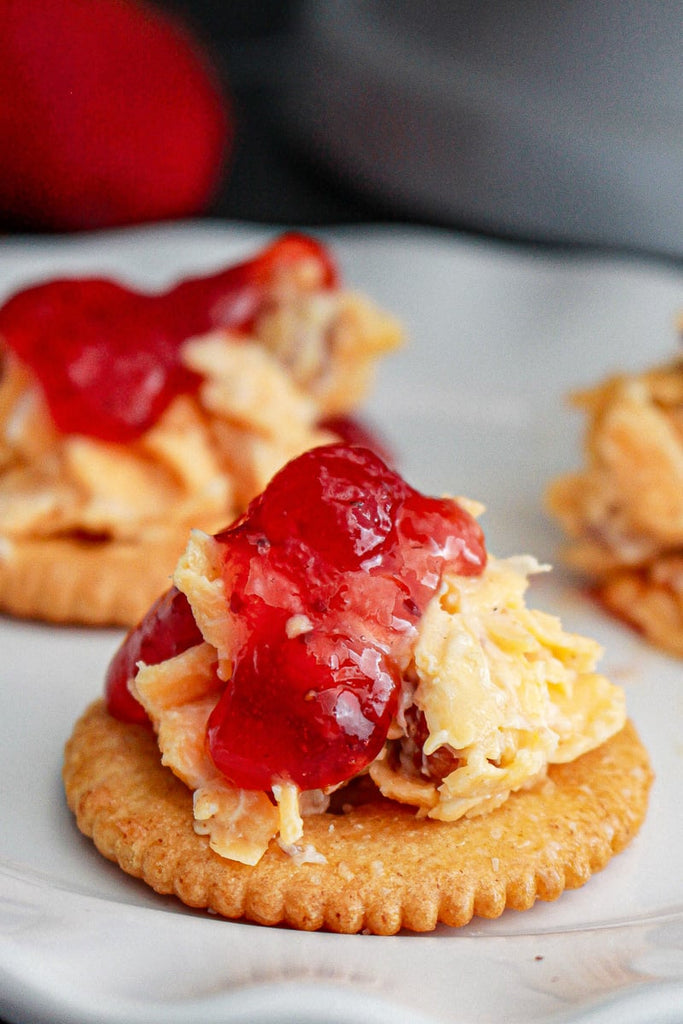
90,582
384,869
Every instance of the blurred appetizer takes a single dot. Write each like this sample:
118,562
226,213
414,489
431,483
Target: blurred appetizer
126,418
624,510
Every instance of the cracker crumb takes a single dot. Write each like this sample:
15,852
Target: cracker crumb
306,854
345,871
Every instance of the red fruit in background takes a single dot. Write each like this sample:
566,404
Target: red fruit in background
110,114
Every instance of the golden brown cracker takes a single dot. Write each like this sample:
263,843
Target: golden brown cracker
94,582
381,867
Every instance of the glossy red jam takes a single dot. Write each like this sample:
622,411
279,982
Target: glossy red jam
328,572
108,358
167,629
314,709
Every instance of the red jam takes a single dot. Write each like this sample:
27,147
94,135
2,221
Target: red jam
108,358
328,572
167,629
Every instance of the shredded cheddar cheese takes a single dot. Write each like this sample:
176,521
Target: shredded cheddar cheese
505,688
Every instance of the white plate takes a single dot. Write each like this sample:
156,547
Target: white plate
474,406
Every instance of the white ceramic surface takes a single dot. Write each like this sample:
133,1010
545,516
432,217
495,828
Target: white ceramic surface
473,405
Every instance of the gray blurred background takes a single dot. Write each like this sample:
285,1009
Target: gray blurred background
555,123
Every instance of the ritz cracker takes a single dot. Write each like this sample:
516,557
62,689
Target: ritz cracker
343,716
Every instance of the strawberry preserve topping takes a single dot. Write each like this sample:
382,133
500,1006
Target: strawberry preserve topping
335,505
327,575
314,709
167,629
108,358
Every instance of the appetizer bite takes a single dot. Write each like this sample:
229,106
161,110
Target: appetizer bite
126,418
342,715
624,510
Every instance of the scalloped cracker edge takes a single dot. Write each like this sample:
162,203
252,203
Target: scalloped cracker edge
380,868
